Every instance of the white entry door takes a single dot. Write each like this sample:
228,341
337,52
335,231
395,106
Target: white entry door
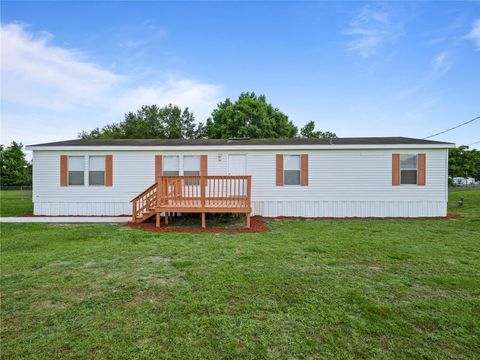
237,164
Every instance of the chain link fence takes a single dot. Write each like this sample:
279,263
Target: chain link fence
15,200
17,188
23,193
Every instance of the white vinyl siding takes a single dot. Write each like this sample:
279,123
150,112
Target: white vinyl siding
341,183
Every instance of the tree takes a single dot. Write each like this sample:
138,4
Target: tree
150,122
15,169
308,131
250,116
464,162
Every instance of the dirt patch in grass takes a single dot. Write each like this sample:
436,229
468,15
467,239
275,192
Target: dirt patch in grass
149,295
257,224
48,306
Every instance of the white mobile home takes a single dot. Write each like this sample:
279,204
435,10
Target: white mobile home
343,177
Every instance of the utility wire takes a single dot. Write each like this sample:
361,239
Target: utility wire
455,127
476,142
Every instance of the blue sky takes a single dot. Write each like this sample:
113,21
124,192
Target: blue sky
356,68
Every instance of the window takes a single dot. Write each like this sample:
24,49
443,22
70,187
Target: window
76,170
171,166
291,169
408,169
96,170
191,165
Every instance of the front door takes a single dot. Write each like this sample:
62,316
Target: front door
237,164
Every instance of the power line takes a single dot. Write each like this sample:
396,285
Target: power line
455,127
476,142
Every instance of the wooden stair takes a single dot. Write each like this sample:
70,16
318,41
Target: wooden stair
144,204
146,216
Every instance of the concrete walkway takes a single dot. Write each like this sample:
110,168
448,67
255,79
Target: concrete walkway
67,219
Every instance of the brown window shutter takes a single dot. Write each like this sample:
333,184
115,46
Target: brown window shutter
109,170
421,170
279,170
395,169
304,170
63,170
203,165
158,166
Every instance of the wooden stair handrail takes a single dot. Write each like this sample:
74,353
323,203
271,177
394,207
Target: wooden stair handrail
150,188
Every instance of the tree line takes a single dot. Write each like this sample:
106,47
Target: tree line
464,162
250,116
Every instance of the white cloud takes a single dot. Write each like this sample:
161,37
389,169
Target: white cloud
195,95
35,73
41,81
474,34
441,64
369,30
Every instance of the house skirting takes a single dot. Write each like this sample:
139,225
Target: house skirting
271,208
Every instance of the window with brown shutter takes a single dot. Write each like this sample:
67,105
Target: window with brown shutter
292,169
409,169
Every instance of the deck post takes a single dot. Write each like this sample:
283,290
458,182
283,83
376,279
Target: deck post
249,199
157,220
166,218
203,185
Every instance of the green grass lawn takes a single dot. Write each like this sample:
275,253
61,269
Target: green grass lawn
13,202
306,289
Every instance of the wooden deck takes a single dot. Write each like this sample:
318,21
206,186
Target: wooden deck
194,194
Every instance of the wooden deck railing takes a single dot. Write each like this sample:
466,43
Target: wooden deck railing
194,194
207,193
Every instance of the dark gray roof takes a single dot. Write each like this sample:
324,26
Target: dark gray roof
219,142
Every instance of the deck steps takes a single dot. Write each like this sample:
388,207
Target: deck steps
146,215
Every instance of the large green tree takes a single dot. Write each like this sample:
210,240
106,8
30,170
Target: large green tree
15,169
464,162
249,116
150,122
